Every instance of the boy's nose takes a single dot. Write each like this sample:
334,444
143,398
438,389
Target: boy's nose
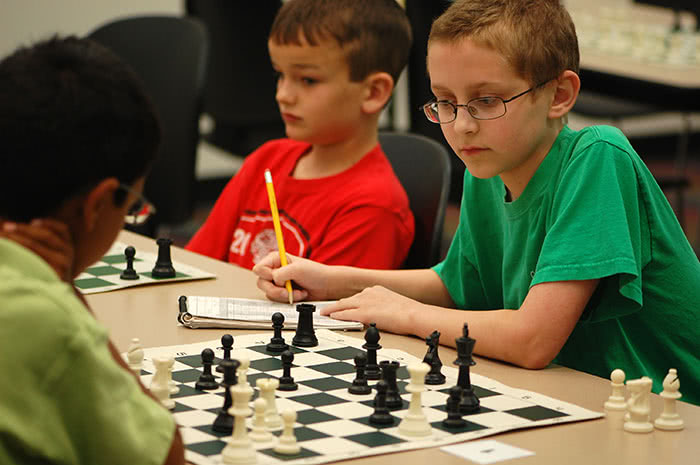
464,122
283,94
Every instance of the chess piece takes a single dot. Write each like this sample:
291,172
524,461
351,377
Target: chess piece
239,449
454,416
371,345
174,389
129,272
359,384
286,381
258,431
305,335
393,399
616,402
224,422
287,444
206,381
243,365
465,347
432,358
638,406
134,355
277,343
669,419
381,415
160,386
227,345
164,264
267,387
415,423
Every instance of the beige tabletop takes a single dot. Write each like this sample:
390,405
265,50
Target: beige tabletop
149,313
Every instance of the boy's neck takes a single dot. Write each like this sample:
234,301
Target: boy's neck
330,159
517,180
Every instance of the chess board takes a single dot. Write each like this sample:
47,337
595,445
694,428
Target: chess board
333,424
103,276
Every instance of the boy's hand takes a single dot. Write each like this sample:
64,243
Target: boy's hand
50,239
309,278
389,310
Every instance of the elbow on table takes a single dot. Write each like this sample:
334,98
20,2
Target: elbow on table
537,355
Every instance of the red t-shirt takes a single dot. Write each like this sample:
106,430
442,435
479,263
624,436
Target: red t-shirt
359,217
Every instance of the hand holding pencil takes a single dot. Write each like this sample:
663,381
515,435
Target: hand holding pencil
278,229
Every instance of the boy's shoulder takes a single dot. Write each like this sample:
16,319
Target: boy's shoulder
36,303
590,135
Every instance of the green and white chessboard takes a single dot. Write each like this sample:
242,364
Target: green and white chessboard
333,424
103,276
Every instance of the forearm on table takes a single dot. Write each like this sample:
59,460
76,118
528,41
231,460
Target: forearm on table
422,285
500,334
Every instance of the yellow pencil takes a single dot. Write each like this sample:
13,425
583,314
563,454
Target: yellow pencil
278,228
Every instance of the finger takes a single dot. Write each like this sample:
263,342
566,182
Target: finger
263,271
37,232
348,315
57,227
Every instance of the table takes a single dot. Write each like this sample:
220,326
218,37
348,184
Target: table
149,312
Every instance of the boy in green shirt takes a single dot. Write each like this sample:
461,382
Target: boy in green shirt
564,236
78,135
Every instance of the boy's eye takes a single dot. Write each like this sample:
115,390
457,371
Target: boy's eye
309,81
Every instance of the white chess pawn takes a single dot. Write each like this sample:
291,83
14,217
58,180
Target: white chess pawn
134,356
159,384
242,371
259,432
638,406
267,387
239,450
415,423
669,419
172,385
287,444
616,402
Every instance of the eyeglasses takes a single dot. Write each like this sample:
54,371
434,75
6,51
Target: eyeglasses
482,108
140,210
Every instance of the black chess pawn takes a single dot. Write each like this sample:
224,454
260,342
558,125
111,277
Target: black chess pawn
381,415
393,398
277,343
224,421
371,345
465,347
305,335
432,358
286,381
164,264
454,416
206,381
359,384
227,344
129,273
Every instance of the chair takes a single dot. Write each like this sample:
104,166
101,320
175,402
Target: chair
170,54
239,92
423,168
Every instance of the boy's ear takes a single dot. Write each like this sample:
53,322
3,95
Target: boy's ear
565,94
97,199
379,87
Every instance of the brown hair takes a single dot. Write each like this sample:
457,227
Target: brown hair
536,37
374,34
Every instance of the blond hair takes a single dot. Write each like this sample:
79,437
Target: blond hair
536,37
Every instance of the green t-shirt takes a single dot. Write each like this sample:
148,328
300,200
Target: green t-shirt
592,210
64,398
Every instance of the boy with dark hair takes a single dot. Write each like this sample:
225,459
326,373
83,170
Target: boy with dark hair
567,250
340,201
78,135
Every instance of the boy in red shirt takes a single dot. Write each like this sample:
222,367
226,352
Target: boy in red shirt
339,199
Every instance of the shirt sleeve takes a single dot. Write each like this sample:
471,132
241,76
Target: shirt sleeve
596,228
366,237
72,402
